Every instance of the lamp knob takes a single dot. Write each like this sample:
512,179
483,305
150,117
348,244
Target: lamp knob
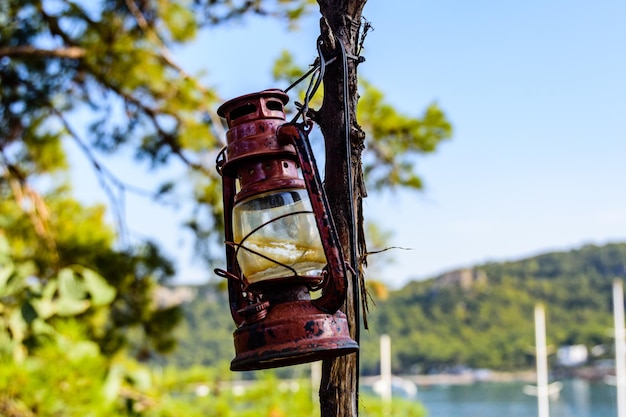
254,312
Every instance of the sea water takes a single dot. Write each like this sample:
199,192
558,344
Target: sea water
578,398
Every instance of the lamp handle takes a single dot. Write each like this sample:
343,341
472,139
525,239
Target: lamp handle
335,283
235,292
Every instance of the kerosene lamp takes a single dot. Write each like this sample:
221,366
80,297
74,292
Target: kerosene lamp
280,239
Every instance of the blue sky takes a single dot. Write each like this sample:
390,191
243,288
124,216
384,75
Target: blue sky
536,92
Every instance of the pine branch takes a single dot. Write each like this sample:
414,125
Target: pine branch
72,52
167,56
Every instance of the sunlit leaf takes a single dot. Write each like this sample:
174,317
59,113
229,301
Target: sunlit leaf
101,293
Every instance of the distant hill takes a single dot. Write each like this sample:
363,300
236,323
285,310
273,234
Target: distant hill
480,317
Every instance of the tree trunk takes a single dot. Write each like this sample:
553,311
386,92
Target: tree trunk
340,24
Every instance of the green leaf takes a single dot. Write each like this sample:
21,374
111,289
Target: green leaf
67,307
40,327
84,349
113,382
49,290
45,308
100,291
5,273
179,20
17,326
28,312
70,286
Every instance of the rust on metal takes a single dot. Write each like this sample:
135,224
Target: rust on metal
292,333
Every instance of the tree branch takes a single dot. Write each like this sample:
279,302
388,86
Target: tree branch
31,203
72,52
166,55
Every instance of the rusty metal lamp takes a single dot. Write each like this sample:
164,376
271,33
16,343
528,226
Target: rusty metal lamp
281,244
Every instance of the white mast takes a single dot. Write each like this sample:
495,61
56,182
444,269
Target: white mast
542,361
620,346
316,378
543,390
385,368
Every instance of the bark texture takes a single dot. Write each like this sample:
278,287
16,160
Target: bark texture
340,25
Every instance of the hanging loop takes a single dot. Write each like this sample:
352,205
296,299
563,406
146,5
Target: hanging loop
220,160
225,274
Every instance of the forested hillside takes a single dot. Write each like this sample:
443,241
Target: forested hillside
480,317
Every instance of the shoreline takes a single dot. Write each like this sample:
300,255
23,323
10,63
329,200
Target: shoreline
467,378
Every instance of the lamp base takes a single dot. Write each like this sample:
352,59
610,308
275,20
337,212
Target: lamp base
292,333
